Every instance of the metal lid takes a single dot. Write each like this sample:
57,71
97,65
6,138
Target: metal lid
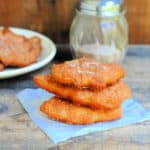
89,6
110,8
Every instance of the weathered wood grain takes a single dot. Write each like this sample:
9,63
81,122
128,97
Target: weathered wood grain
50,17
17,131
138,20
53,17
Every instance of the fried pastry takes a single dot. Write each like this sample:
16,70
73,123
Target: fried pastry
64,111
1,66
87,73
17,50
108,98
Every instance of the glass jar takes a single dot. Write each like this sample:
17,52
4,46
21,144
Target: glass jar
99,30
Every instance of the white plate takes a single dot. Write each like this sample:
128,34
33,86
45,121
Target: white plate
47,54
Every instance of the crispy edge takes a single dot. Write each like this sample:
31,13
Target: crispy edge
1,67
64,111
108,98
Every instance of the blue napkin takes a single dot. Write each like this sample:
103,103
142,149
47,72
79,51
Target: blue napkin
31,100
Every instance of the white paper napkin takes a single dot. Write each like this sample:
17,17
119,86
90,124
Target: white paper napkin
31,99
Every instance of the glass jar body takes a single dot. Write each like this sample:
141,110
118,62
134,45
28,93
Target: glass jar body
102,38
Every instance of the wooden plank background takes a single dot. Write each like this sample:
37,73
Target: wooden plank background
138,12
53,17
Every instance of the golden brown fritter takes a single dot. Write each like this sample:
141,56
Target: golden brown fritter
86,91
17,50
85,72
108,98
61,110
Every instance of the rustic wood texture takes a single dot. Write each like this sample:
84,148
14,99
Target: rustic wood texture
17,131
138,19
53,17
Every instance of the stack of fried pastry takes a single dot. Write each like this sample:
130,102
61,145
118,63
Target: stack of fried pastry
86,91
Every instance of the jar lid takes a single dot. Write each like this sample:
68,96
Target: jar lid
89,6
110,7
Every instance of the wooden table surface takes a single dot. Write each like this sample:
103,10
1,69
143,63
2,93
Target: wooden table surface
17,131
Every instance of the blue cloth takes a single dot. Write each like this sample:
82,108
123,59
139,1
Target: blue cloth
31,100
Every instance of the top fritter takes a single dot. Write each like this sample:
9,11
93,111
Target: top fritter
87,73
